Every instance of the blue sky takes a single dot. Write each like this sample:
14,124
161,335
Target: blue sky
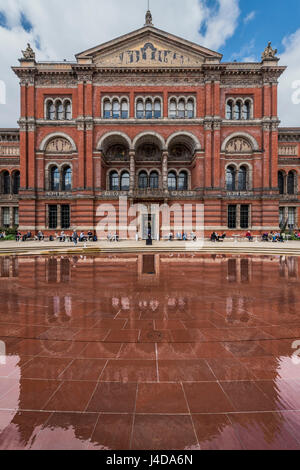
239,29
261,21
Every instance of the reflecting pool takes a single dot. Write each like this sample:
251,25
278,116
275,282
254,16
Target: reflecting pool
164,351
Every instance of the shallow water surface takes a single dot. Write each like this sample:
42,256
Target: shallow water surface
168,351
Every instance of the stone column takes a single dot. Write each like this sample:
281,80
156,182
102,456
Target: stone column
132,171
165,171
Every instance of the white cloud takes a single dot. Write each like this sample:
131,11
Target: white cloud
249,17
289,112
64,28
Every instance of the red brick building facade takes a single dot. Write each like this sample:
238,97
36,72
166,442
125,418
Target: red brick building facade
155,118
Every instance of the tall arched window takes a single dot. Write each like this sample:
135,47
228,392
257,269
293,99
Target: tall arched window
50,111
183,181
143,180
172,109
125,181
154,180
124,110
281,182
114,181
190,109
59,110
16,182
140,109
54,179
229,110
107,109
230,178
291,183
6,182
157,109
67,179
181,109
172,181
148,109
242,179
68,110
116,109
238,111
246,110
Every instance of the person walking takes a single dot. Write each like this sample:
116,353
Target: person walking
75,237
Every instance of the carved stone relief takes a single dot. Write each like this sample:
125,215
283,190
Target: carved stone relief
59,145
238,145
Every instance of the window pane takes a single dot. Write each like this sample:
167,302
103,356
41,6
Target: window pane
231,216
116,110
181,109
246,110
5,217
124,110
68,110
67,179
291,183
172,181
292,217
182,181
6,182
230,179
140,110
244,216
16,216
281,217
125,181
54,186
53,217
157,109
154,180
190,109
172,110
143,180
60,110
242,179
148,110
114,181
281,182
65,216
237,111
107,110
229,110
16,182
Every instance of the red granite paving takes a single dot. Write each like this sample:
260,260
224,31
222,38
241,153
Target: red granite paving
187,358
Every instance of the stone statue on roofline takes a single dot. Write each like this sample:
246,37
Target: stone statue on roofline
29,53
148,18
269,53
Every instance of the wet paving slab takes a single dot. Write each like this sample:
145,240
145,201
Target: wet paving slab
200,352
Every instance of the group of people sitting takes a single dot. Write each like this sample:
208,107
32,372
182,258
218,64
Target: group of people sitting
62,237
183,236
272,237
215,237
2,235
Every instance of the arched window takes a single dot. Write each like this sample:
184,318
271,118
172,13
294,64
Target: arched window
291,183
148,109
172,181
116,109
6,182
67,179
124,110
114,181
107,109
143,180
140,109
68,110
238,111
183,181
281,182
230,178
50,111
154,180
242,178
16,182
181,109
157,109
125,181
54,179
229,110
172,110
246,110
59,111
190,111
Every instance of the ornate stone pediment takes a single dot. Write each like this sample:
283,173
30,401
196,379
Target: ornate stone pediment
238,145
148,47
59,145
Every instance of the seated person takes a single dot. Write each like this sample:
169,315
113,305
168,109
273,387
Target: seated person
193,237
170,236
184,237
51,238
249,236
265,237
214,237
95,238
90,236
82,237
